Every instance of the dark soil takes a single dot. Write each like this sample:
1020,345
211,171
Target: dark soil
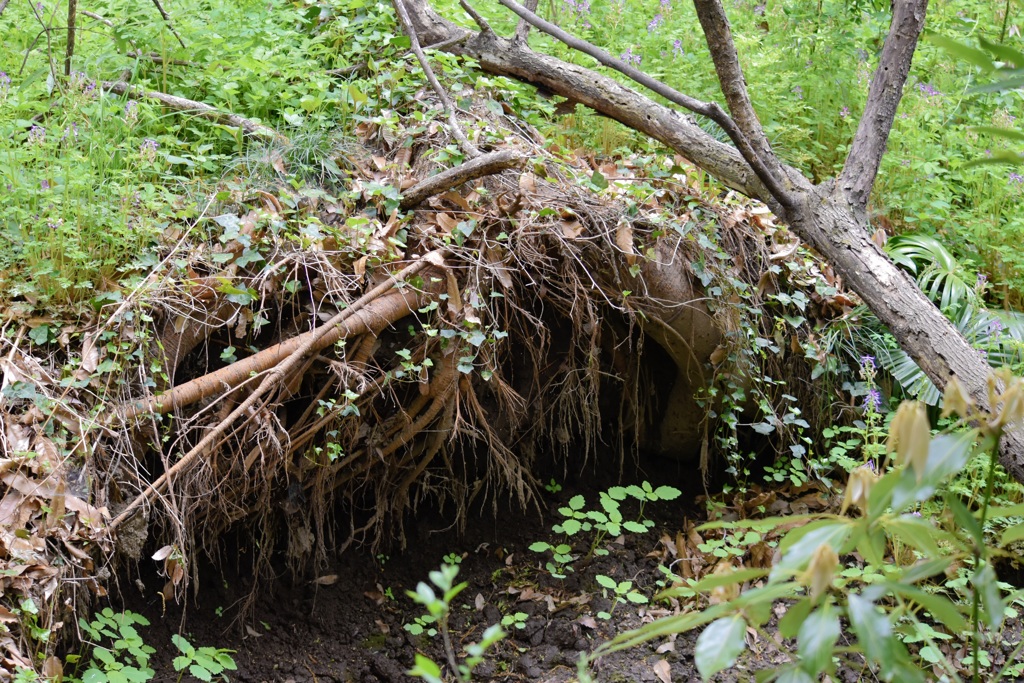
322,629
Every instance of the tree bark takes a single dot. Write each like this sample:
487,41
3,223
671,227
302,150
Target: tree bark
829,217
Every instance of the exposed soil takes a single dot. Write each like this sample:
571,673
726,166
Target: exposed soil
351,628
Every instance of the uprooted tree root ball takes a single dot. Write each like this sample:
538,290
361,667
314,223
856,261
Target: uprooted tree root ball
306,366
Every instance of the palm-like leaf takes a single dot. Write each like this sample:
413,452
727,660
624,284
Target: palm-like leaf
999,334
938,272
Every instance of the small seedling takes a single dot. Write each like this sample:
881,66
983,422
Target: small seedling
126,658
622,591
452,558
204,662
517,620
552,486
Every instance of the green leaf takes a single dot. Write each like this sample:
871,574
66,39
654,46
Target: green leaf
539,546
874,632
635,527
181,662
1012,534
667,493
968,54
94,675
572,526
606,581
940,607
965,520
200,673
599,180
790,623
987,583
816,638
719,645
947,455
794,675
577,502
833,532
426,669
39,335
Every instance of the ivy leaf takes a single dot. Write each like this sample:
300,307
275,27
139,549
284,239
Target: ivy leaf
719,645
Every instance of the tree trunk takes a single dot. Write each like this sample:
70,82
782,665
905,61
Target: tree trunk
829,218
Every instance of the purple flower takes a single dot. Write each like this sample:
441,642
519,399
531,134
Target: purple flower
666,5
677,48
630,57
844,112
867,362
5,84
759,10
873,401
799,92
131,112
148,149
1016,178
657,21
928,90
45,184
36,135
995,327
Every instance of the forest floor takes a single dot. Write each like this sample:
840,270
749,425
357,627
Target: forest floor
348,623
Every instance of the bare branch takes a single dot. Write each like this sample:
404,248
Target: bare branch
453,123
708,109
200,109
480,21
523,28
858,176
167,20
70,51
718,34
488,164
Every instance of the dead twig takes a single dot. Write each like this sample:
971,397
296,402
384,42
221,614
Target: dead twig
485,165
200,109
453,123
167,20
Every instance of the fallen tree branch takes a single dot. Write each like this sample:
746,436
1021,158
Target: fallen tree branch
485,165
449,110
200,109
309,342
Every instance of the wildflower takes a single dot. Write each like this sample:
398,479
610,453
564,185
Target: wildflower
844,112
995,327
148,149
759,10
799,92
910,436
1016,178
858,488
928,90
53,225
956,400
873,400
630,57
867,362
71,130
131,112
677,48
657,21
821,570
45,184
5,85
36,135
666,5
